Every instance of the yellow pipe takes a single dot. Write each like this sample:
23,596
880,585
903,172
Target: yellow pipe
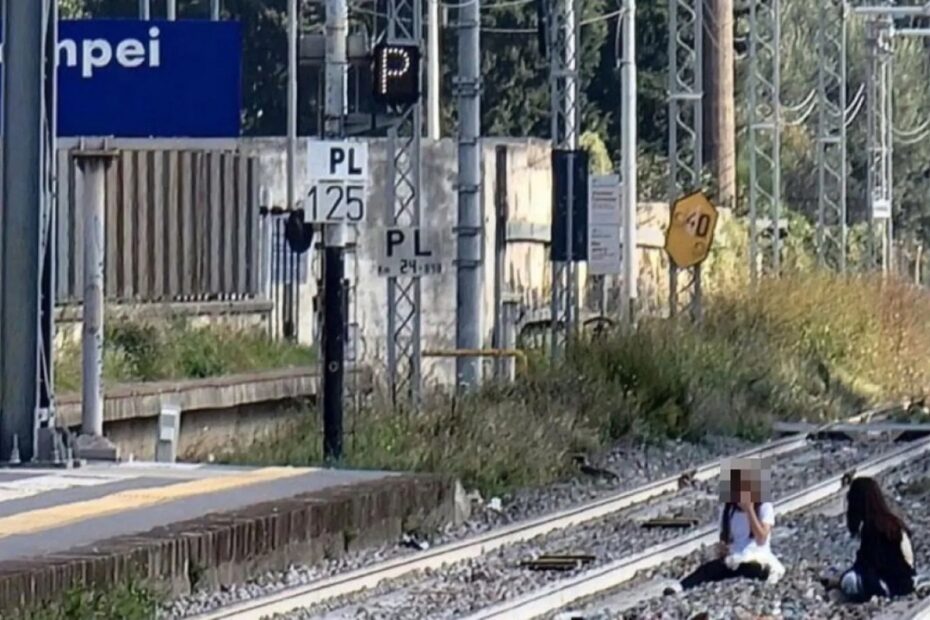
516,353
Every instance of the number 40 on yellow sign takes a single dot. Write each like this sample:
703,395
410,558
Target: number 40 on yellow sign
690,231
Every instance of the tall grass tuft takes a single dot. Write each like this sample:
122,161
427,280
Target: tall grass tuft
138,352
810,347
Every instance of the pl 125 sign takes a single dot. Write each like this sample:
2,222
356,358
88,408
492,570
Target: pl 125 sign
338,173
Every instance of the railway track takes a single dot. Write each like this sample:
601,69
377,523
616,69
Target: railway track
592,583
369,578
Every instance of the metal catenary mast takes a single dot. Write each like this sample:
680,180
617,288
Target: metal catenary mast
685,137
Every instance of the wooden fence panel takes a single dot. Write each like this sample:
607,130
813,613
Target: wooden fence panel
180,225
188,232
173,257
126,242
159,227
241,210
228,221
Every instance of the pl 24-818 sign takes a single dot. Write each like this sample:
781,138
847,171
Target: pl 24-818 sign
139,79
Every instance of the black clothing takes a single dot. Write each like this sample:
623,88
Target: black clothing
717,570
880,561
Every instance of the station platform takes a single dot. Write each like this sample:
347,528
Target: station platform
181,526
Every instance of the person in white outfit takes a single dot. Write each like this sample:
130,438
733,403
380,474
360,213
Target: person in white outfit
746,523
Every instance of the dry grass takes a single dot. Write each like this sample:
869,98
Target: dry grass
805,347
136,352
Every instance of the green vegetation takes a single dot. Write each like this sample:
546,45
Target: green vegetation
129,601
806,347
135,352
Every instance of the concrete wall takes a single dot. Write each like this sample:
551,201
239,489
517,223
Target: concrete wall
241,314
527,269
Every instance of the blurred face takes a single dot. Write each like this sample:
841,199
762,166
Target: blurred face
745,481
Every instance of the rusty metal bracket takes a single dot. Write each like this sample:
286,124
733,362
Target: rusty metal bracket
671,522
494,353
686,479
557,562
848,478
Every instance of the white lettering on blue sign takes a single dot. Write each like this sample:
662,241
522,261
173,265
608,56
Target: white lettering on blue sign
93,54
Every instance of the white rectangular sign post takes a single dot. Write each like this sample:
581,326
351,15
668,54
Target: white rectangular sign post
604,256
881,207
409,252
338,174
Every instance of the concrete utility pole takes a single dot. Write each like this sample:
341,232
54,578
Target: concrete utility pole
215,10
91,444
469,283
564,37
628,149
334,288
433,76
25,211
293,18
880,139
719,104
171,9
145,9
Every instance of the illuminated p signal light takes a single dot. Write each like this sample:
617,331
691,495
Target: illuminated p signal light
397,73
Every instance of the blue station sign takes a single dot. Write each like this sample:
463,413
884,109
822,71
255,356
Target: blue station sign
140,79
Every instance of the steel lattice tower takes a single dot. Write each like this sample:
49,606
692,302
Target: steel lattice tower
564,37
764,136
685,137
831,135
404,26
879,144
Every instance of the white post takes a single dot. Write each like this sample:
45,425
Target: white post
93,169
433,78
628,154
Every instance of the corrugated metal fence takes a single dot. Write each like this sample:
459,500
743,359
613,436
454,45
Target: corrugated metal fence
180,225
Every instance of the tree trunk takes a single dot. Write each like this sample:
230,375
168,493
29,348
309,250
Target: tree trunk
719,112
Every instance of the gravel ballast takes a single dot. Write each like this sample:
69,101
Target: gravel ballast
807,543
475,584
632,463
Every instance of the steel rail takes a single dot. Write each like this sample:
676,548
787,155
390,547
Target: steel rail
358,580
608,577
920,611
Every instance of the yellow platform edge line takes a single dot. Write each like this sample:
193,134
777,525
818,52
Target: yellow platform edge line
132,499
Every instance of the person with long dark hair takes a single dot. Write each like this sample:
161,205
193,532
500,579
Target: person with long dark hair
746,526
884,563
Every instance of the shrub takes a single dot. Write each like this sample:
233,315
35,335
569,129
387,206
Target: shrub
136,351
802,347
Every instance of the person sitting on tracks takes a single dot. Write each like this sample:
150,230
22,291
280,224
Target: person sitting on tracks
884,564
745,529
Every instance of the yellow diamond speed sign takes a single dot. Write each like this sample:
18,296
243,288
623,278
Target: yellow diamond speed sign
690,230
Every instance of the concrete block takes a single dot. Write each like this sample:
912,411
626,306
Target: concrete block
225,549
